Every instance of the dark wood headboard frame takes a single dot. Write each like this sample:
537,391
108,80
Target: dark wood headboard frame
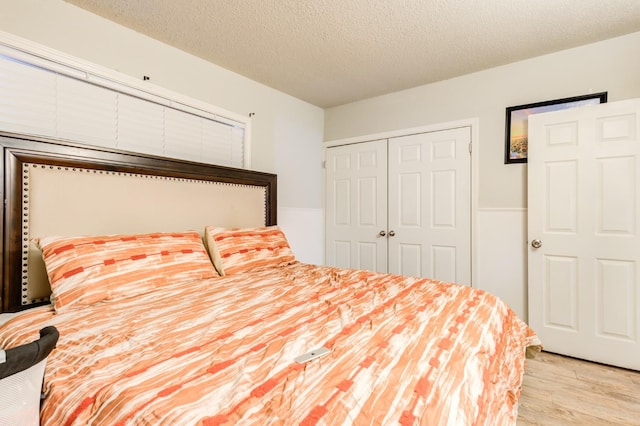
19,149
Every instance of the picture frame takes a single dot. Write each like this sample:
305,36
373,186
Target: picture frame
516,122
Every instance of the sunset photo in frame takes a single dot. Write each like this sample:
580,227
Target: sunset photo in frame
516,129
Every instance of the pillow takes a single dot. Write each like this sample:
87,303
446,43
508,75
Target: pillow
85,270
235,250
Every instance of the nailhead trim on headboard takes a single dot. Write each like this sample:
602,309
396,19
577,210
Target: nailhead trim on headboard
26,182
28,212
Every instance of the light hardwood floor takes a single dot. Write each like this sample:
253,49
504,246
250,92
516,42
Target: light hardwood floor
558,390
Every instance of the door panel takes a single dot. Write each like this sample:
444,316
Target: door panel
410,258
561,197
356,177
429,205
443,199
561,292
615,295
615,214
444,262
584,207
409,190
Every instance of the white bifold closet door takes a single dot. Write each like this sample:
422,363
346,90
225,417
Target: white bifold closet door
401,205
356,206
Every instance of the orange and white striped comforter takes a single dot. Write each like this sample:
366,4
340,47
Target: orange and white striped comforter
220,351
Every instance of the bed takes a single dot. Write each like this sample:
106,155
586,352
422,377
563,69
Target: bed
179,301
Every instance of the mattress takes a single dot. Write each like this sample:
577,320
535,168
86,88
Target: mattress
401,350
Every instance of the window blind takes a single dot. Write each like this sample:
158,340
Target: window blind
41,97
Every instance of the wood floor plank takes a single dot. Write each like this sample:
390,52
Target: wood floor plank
564,391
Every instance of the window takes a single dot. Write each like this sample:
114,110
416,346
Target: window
44,97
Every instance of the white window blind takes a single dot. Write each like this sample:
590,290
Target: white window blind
41,97
140,125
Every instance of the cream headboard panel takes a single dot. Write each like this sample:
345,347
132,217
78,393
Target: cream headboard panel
57,189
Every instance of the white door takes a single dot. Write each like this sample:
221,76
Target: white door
584,219
356,205
429,205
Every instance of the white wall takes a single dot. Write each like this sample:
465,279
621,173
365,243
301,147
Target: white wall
287,133
612,66
502,256
609,66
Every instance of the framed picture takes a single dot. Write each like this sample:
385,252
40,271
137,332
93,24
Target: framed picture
517,120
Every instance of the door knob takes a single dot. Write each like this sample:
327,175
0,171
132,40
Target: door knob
382,233
392,233
536,243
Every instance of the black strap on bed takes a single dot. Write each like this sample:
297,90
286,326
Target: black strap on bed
25,356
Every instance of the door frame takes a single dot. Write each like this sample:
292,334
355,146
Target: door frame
472,123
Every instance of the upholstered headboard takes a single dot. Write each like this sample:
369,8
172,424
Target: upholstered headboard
58,188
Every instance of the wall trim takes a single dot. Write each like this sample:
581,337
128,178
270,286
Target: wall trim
502,209
402,132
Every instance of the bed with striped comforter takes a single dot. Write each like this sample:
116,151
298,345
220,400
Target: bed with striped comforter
221,351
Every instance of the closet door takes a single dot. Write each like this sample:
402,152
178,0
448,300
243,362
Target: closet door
356,206
429,205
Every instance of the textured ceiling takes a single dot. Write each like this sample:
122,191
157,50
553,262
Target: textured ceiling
331,52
